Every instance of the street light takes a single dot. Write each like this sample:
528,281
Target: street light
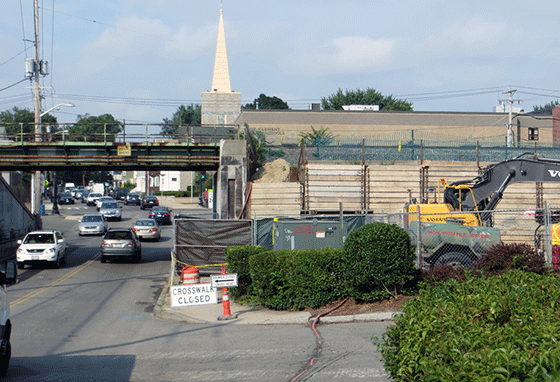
55,210
57,107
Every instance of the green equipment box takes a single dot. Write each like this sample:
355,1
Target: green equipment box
290,234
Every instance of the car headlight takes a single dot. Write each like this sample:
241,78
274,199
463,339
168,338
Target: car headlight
21,251
50,251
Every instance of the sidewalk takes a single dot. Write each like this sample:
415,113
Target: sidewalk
242,314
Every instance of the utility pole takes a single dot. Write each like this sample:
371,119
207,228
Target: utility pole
36,205
510,108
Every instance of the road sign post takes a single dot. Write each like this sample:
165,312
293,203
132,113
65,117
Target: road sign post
223,281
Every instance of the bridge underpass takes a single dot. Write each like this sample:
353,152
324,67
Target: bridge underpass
227,157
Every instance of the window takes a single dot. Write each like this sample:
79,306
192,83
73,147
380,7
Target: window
533,134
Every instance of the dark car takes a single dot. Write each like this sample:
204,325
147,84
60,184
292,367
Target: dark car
121,243
149,202
65,198
119,193
132,198
161,214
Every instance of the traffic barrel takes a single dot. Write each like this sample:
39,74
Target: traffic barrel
190,275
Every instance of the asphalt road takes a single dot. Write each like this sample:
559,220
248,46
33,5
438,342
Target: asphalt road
90,321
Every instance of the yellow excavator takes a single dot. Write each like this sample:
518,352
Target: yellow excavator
450,236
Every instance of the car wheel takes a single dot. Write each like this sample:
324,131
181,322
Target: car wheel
5,355
138,257
58,262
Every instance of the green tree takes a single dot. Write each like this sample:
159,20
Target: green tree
550,105
94,128
190,115
13,119
266,102
317,137
364,97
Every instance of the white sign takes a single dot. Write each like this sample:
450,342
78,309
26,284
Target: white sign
195,294
224,281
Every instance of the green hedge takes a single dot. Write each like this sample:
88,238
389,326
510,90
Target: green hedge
237,259
504,327
378,260
297,279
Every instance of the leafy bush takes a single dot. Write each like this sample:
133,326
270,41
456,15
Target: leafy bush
297,279
238,262
502,257
443,272
502,327
378,260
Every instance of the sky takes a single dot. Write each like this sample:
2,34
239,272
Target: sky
140,60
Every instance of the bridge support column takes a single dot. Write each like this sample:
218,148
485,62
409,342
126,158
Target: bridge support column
231,179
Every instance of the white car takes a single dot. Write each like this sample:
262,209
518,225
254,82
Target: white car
39,247
9,276
102,200
92,198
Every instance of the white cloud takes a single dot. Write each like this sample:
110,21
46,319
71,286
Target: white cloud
147,39
350,54
475,37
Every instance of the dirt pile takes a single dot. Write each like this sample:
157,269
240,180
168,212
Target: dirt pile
277,171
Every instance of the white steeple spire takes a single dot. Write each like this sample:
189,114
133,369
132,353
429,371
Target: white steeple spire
220,79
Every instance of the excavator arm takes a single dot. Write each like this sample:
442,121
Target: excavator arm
487,189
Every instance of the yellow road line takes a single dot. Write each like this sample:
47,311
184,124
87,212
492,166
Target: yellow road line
61,280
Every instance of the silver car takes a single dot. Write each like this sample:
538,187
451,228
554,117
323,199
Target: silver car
111,211
92,224
119,243
147,229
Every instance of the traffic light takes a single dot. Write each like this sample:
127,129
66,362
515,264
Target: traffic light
203,175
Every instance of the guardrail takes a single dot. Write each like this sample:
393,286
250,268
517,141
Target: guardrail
106,133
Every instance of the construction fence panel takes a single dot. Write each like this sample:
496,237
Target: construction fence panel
202,243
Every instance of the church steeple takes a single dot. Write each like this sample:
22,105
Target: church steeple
220,79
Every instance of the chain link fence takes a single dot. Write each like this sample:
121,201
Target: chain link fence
411,145
435,243
457,244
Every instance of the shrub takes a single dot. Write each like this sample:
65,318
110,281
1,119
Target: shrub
443,272
502,257
502,327
237,259
378,259
297,279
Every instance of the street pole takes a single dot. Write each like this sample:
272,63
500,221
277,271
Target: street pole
37,98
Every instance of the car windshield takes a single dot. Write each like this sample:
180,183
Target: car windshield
109,205
65,195
92,218
39,238
118,235
145,223
150,198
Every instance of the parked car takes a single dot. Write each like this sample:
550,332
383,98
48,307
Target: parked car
111,210
132,198
92,224
149,202
92,198
119,243
8,277
161,214
40,247
65,198
102,200
147,229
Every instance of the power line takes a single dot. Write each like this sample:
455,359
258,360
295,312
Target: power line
19,82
